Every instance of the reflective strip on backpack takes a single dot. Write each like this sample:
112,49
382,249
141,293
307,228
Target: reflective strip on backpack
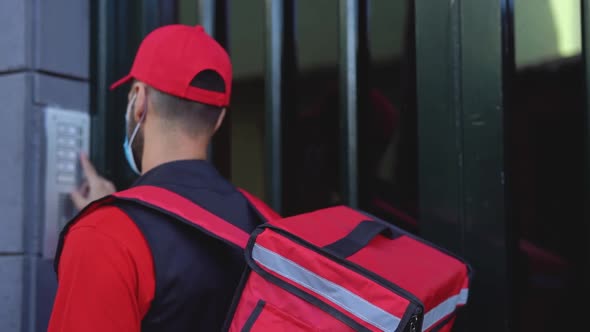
339,295
444,309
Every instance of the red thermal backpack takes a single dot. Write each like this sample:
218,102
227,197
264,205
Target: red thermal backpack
335,269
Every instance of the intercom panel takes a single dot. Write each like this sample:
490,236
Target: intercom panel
67,135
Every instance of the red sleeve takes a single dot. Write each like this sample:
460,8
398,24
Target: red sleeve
106,279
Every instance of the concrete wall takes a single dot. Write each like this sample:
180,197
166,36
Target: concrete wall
44,59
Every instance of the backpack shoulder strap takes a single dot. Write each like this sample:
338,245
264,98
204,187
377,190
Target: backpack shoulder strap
186,211
265,211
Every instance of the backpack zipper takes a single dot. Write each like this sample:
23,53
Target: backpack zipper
413,323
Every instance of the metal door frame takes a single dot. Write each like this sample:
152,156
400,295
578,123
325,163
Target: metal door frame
463,95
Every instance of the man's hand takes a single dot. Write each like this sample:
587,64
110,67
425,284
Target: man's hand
93,188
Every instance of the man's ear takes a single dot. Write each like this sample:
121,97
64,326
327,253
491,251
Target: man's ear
220,119
140,106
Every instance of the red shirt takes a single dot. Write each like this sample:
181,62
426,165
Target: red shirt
106,276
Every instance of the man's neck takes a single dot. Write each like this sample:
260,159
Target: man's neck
159,152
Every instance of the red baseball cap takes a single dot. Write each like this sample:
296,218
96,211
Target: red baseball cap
173,57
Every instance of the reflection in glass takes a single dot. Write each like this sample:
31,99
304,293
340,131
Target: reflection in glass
546,161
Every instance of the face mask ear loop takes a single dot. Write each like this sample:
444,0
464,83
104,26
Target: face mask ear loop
130,104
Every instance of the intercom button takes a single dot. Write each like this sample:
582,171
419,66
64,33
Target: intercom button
69,130
66,178
66,154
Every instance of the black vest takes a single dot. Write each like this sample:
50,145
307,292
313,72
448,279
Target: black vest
196,275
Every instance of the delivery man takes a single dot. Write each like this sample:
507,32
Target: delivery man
127,268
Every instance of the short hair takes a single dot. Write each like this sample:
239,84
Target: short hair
192,117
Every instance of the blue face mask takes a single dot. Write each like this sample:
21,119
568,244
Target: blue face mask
128,141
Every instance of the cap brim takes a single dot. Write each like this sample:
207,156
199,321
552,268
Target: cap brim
121,81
